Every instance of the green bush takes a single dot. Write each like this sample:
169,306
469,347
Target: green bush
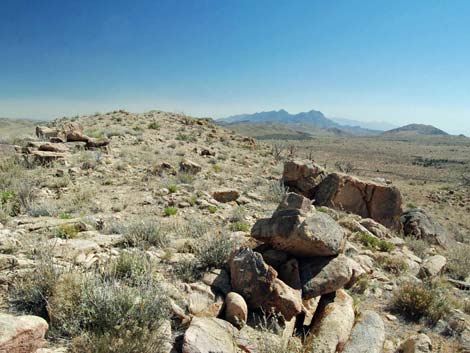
65,231
239,227
145,233
154,125
133,267
420,300
170,211
212,209
373,243
173,188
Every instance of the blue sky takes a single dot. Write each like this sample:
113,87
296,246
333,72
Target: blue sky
397,61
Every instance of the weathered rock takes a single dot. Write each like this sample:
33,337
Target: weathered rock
236,310
383,203
258,284
313,234
187,166
226,195
417,344
290,275
210,335
44,132
218,280
21,334
293,201
73,132
203,302
419,224
92,143
376,228
333,327
432,266
302,176
44,157
326,275
54,147
368,335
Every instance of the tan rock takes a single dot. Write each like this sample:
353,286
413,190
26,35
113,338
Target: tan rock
417,344
368,335
382,203
209,335
332,329
21,334
187,166
226,195
302,176
432,266
311,234
236,310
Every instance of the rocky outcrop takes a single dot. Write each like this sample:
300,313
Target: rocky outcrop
383,203
257,282
300,234
333,326
417,223
21,334
302,176
189,167
368,335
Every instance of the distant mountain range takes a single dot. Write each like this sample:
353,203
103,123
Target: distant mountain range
281,123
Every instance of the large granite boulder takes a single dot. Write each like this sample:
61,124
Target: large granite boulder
382,203
368,335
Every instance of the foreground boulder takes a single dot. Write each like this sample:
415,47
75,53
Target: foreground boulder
417,223
257,282
236,310
332,328
210,335
420,343
368,335
302,176
321,276
300,234
21,334
432,266
382,203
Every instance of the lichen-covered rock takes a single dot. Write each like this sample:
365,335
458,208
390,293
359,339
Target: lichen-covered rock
299,234
226,195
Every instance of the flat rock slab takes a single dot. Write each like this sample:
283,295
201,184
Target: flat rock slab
368,335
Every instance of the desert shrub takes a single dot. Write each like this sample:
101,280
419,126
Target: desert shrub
458,261
185,178
418,246
154,125
187,270
170,211
186,137
344,166
106,315
374,243
212,209
214,251
131,267
217,168
65,231
275,192
420,300
173,188
194,228
30,294
393,264
238,214
239,227
145,233
42,209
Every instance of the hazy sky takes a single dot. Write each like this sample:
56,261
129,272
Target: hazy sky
398,61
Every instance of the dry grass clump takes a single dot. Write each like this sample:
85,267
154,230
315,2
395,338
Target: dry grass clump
145,233
120,309
420,300
418,246
458,261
